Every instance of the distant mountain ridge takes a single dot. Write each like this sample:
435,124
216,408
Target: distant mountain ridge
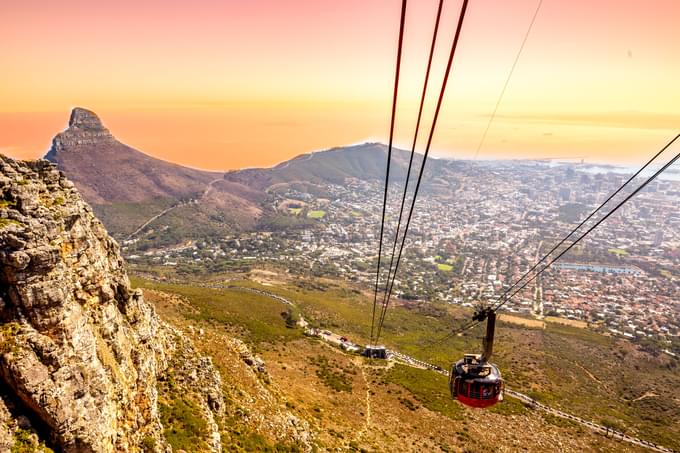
365,162
127,188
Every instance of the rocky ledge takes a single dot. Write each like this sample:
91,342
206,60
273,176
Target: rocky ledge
81,353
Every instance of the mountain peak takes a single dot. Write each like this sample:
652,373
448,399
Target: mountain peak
85,119
103,168
85,129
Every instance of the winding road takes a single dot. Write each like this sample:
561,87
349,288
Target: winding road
173,207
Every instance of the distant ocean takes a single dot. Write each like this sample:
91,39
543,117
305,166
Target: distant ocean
670,174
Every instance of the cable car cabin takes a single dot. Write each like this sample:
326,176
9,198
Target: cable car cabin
476,383
375,352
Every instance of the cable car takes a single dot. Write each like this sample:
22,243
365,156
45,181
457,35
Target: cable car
375,352
473,380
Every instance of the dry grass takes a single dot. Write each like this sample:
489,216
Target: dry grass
567,322
265,277
407,412
518,320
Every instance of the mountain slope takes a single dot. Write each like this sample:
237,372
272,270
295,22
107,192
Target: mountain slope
107,171
134,193
127,188
366,162
84,360
87,365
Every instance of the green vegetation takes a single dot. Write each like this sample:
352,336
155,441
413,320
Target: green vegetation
559,365
184,426
444,267
25,442
333,375
256,317
149,444
559,421
8,333
410,405
428,388
618,252
316,214
7,222
124,218
291,316
7,204
295,211
510,406
279,222
585,335
612,424
258,443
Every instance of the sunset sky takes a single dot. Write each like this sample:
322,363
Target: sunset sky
224,84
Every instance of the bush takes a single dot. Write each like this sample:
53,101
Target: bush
184,426
332,375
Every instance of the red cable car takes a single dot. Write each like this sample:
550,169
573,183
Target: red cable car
473,380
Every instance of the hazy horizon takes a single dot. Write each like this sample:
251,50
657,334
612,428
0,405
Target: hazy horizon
227,85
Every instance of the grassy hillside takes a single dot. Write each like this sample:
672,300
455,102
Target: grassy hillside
598,378
123,218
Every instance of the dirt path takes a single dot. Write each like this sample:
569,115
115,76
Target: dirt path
646,395
209,187
154,218
173,207
590,375
309,157
594,378
367,412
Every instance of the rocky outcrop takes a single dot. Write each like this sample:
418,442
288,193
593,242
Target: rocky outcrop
80,351
84,128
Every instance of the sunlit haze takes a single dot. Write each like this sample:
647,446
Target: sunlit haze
231,84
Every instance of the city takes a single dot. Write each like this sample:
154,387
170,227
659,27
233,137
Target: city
476,229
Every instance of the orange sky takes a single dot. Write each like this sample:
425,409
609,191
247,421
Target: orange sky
226,84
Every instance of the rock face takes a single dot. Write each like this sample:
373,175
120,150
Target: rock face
80,352
84,128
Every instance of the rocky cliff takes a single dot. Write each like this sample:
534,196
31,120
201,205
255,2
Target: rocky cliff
84,128
81,353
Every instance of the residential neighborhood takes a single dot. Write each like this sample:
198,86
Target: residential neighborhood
472,236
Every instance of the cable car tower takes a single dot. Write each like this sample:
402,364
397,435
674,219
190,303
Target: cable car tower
473,380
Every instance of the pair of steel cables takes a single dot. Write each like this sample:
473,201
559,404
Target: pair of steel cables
522,282
376,329
546,261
